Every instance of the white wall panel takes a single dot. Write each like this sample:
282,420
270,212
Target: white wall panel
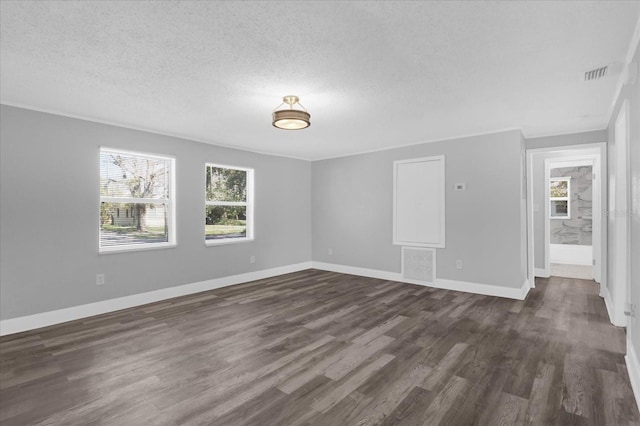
419,202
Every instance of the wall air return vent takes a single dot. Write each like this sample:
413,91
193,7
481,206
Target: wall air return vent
419,264
596,74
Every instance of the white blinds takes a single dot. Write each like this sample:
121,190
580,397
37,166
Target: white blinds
134,176
136,206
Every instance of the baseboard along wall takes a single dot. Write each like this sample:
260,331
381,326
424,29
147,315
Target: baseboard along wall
465,286
633,367
44,319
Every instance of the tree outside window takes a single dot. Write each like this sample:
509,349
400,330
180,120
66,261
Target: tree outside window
559,198
141,185
228,204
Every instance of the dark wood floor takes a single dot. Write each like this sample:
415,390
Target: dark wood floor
320,348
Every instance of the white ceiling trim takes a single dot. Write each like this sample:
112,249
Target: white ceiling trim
142,129
177,136
462,136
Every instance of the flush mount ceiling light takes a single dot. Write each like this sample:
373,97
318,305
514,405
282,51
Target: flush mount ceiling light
286,117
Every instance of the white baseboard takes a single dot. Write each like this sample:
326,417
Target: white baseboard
485,289
541,272
618,321
633,367
352,270
468,287
44,319
604,293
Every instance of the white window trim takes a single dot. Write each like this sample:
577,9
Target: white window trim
136,247
567,198
170,203
249,205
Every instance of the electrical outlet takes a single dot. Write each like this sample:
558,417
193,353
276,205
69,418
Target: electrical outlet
99,279
252,259
330,251
458,264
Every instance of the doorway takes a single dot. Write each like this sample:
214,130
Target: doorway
568,208
546,165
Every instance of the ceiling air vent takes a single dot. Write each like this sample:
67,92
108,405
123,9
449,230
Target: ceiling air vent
596,74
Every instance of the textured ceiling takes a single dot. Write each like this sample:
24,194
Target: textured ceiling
373,74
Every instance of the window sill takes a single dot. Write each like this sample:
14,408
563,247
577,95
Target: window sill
125,249
211,243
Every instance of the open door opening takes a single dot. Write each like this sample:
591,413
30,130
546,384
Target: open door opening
568,212
565,224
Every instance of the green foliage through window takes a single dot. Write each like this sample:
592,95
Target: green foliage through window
227,203
560,204
559,188
225,184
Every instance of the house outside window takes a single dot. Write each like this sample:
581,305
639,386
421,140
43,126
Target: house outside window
228,204
142,184
560,198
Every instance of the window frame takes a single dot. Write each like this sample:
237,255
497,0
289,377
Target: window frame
169,202
567,198
249,204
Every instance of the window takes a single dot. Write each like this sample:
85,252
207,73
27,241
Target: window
559,198
142,185
228,204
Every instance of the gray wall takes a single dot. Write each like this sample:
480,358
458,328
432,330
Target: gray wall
631,93
49,168
352,200
577,229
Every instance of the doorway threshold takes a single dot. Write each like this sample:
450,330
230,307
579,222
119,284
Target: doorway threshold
581,272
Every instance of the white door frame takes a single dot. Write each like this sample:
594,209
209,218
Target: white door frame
599,240
619,212
573,161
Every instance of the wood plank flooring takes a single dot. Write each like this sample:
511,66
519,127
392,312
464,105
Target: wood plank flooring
321,348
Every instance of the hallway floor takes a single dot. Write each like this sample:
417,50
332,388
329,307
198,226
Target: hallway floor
581,272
